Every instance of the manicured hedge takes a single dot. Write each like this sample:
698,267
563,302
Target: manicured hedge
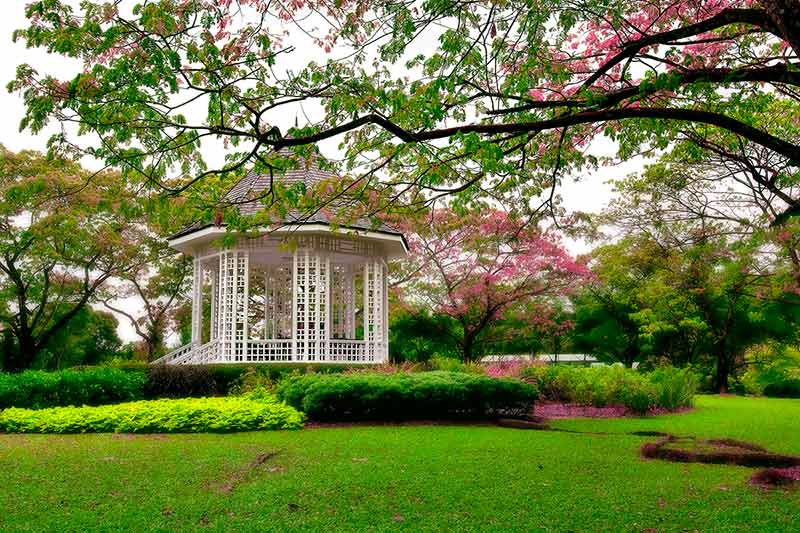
789,388
92,386
242,413
181,381
401,396
105,385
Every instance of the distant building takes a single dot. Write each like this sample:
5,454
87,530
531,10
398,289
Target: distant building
568,359
554,359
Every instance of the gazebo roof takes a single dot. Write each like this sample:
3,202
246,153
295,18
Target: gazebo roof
246,194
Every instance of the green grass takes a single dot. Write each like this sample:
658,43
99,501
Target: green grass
401,478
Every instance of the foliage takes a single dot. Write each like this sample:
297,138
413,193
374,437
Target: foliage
449,364
427,395
91,386
178,381
693,298
674,387
159,285
181,381
770,364
789,388
471,100
479,268
89,338
64,233
157,416
418,336
666,388
512,368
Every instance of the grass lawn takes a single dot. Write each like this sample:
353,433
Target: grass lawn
393,478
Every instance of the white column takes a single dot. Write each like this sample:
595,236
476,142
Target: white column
324,306
269,302
214,288
349,303
232,304
369,325
244,297
297,282
197,302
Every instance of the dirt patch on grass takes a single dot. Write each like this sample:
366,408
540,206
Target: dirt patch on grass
776,477
716,451
139,436
779,470
372,423
240,476
574,410
531,422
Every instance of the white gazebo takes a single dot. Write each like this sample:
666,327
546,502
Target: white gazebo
301,292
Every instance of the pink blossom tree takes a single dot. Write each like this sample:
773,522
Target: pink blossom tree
481,267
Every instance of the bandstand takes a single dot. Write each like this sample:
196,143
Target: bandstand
300,292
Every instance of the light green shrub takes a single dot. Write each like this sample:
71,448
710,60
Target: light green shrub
674,387
667,388
449,364
256,411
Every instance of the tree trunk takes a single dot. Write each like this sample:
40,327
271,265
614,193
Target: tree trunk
467,349
785,14
22,357
723,371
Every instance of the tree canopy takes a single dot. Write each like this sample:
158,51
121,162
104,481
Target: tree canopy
491,274
438,98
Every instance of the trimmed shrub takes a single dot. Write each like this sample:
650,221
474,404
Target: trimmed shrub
428,395
789,388
182,381
89,386
105,385
187,381
243,413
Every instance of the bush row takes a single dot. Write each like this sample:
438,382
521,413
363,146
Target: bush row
105,385
190,415
96,386
668,388
789,388
404,396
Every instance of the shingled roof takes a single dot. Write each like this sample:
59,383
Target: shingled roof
246,194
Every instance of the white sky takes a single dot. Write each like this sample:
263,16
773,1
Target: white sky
590,193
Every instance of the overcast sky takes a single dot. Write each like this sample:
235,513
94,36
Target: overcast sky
590,193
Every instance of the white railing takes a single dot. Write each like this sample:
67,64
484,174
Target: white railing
191,354
177,353
201,355
279,350
270,350
342,351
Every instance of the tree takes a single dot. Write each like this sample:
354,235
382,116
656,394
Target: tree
517,89
88,339
704,302
416,335
64,232
479,268
160,284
